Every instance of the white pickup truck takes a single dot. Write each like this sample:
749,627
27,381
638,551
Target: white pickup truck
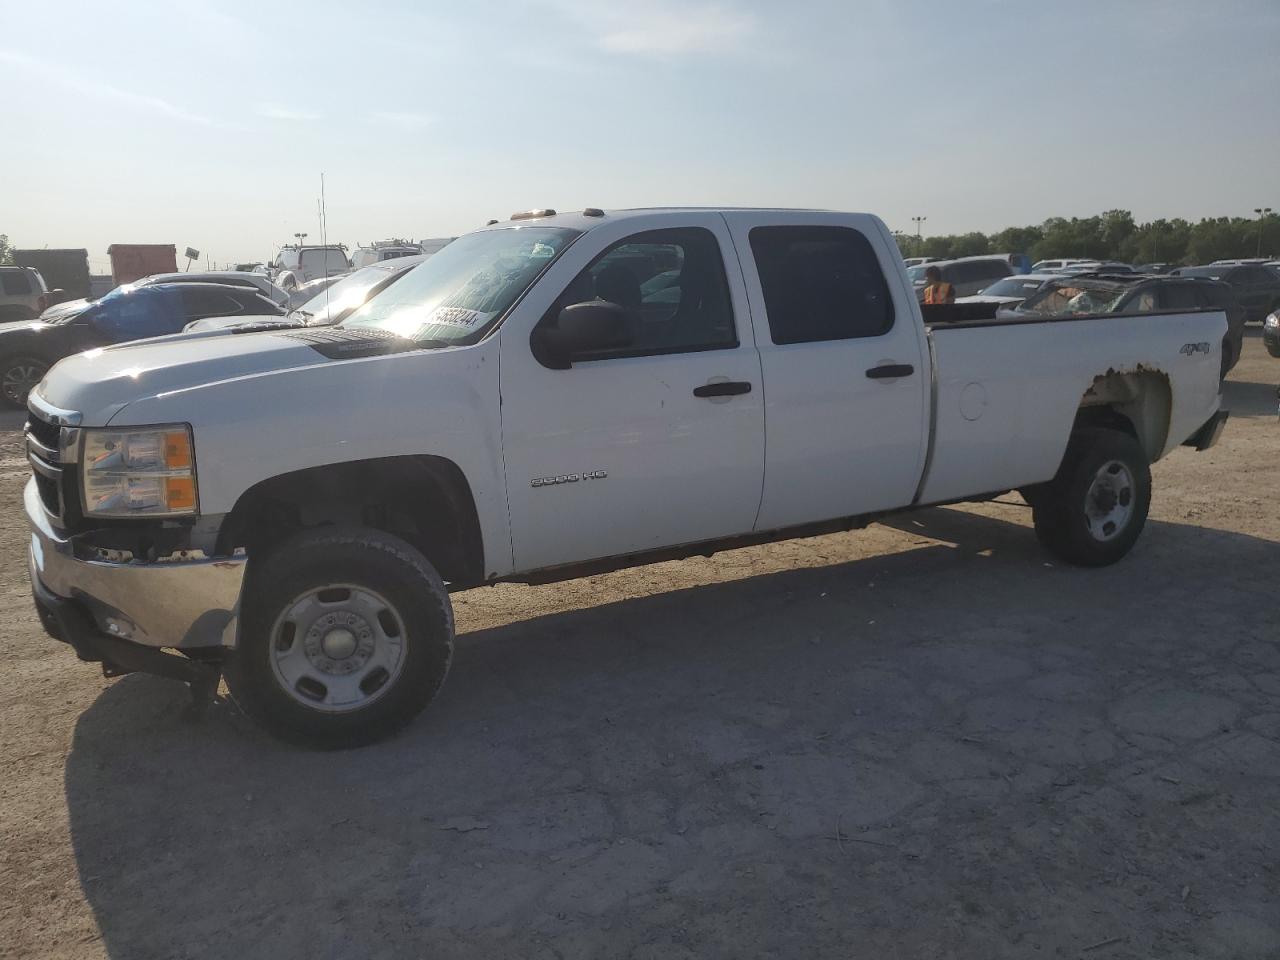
550,396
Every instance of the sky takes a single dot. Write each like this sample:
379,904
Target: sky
207,123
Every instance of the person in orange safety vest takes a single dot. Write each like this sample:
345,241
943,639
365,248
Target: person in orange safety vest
936,290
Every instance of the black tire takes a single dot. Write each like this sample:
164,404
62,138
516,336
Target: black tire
359,558
1066,510
1227,362
17,377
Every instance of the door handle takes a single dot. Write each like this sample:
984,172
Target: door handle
723,388
890,371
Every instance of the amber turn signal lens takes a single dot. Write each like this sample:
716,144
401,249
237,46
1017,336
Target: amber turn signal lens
180,493
177,450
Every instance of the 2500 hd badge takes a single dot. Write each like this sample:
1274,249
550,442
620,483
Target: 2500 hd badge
567,478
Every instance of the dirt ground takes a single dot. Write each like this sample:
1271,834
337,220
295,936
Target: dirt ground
923,739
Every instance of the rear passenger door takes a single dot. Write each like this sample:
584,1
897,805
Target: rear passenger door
843,356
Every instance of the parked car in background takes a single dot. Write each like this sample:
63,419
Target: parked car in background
1057,266
968,274
1020,262
23,294
1009,292
1158,267
308,290
1092,294
1271,333
241,278
1097,266
916,261
252,281
296,265
1255,285
381,250
252,266
434,244
328,304
28,350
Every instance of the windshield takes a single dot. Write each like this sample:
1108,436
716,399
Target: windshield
1012,287
1072,298
916,273
325,261
459,291
1214,272
340,298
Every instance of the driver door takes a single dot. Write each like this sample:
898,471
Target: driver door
652,442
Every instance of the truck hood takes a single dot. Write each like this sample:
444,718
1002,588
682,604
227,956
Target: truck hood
100,383
17,325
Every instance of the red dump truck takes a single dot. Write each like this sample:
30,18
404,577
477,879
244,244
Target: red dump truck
133,261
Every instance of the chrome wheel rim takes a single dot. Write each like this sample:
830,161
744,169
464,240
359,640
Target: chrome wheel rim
337,648
1109,503
20,379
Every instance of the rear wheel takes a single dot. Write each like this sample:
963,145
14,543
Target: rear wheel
1093,511
18,377
347,636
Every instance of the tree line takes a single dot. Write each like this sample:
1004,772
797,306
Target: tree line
1113,235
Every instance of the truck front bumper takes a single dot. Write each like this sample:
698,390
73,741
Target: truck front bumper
174,602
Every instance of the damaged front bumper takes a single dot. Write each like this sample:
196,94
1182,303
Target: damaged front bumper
186,601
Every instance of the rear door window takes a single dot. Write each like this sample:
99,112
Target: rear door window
14,282
991,269
820,283
1178,296
208,303
320,262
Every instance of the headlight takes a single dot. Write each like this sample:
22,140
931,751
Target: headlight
134,472
1273,321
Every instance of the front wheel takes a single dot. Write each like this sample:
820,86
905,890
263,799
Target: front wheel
346,637
1092,512
18,377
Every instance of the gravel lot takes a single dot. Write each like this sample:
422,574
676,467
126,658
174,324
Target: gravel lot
918,740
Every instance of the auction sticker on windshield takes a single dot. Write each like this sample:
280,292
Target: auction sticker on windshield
458,316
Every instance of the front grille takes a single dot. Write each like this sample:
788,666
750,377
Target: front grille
50,495
44,455
46,433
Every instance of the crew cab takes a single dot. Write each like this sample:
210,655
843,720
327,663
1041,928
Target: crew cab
548,397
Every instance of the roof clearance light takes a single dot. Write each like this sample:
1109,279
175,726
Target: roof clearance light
532,214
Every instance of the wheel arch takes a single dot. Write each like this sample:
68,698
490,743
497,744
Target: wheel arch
425,500
1138,402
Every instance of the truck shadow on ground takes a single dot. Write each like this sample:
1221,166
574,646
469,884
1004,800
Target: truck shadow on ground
949,749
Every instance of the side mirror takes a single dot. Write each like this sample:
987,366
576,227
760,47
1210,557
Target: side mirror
582,329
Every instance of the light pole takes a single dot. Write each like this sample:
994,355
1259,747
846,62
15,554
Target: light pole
1262,216
919,240
301,237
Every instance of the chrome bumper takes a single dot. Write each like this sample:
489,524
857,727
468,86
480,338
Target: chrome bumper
168,603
